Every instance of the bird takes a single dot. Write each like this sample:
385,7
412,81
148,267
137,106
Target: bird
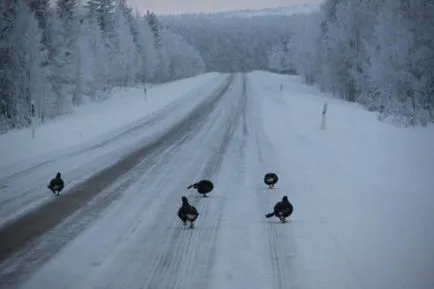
56,185
282,210
203,187
270,179
187,213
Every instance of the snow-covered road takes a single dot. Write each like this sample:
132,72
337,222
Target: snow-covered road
23,182
233,132
138,242
197,150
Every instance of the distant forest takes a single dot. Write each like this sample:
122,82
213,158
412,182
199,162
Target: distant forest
376,53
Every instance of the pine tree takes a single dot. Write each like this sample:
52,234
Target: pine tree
162,63
21,64
147,51
64,37
41,10
103,12
155,27
124,47
7,111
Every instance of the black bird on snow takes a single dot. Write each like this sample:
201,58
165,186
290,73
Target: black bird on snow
270,179
56,185
282,210
187,213
203,187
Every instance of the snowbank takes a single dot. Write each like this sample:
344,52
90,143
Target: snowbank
92,121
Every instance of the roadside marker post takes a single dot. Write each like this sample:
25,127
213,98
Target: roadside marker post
33,120
323,118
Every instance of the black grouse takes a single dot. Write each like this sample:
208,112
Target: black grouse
282,210
187,212
56,185
203,187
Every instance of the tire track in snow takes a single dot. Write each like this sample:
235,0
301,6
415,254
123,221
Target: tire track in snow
337,255
281,243
132,254
17,269
176,134
225,180
239,260
201,240
18,196
148,120
164,254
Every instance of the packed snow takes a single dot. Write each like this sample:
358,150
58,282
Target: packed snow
90,123
94,137
361,190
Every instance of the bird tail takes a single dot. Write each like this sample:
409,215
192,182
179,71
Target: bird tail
192,186
269,215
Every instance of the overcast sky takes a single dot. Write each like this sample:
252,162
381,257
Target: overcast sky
190,6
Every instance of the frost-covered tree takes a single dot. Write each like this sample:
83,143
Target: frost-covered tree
378,53
387,56
146,56
6,83
392,70
22,73
306,47
41,10
102,11
280,57
183,59
161,65
95,58
64,40
419,13
60,55
123,49
228,44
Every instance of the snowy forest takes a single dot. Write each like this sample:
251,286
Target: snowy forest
60,55
379,53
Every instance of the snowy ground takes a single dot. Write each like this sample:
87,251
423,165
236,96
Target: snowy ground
363,190
94,122
84,143
362,193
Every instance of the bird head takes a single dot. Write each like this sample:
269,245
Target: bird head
184,200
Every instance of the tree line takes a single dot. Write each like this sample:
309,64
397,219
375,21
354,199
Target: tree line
379,53
59,56
376,53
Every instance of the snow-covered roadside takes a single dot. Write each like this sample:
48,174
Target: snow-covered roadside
362,189
91,122
253,252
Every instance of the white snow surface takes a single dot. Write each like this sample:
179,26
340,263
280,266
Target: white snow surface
362,193
91,122
95,136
